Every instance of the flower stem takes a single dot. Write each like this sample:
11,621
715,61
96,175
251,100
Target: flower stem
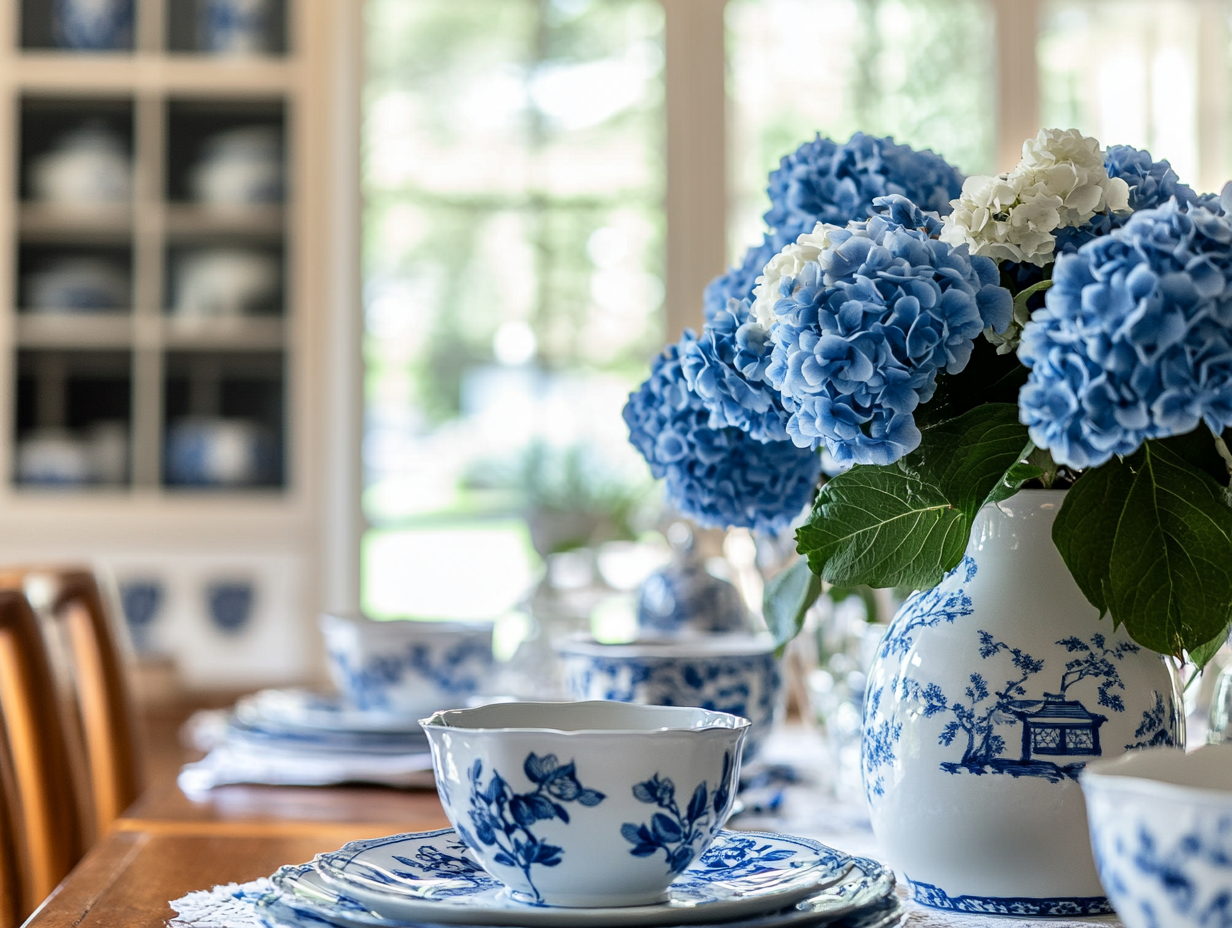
1222,447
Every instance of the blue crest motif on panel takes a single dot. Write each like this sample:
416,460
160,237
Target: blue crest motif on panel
141,601
230,605
502,819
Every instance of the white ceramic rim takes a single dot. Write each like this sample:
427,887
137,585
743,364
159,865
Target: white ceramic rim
734,644
450,626
1106,777
439,721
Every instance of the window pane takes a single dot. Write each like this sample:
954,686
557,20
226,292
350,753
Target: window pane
513,175
1129,73
920,70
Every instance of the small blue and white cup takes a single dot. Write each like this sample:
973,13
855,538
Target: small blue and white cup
94,25
405,667
586,803
726,673
1161,830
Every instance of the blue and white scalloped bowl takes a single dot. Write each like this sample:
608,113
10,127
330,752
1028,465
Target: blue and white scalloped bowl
1161,829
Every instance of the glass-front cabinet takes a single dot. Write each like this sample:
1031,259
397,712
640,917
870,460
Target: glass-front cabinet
167,281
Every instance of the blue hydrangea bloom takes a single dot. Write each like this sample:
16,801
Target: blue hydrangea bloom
860,335
726,368
823,181
1135,340
1151,184
717,477
738,282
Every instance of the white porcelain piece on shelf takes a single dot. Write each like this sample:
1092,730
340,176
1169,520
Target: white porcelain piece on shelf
88,167
239,167
214,282
1161,829
736,673
404,667
859,897
433,877
53,457
988,695
77,285
586,803
205,451
93,25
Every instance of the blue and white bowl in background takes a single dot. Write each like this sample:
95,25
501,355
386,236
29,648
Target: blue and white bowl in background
586,803
404,667
1161,830
726,673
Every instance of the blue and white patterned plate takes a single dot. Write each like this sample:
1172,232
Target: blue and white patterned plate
864,898
309,711
432,876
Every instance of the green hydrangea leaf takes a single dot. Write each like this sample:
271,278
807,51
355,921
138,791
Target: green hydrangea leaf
1202,654
907,524
1146,538
788,595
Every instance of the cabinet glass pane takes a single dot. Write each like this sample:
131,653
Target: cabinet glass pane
919,70
513,175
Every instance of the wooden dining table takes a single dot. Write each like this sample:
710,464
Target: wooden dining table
167,845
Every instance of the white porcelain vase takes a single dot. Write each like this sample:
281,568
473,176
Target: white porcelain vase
988,695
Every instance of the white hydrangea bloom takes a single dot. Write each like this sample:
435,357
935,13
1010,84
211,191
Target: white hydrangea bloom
1005,218
1060,182
788,263
1071,165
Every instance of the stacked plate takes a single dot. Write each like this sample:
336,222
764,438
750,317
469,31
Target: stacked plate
744,880
305,721
296,737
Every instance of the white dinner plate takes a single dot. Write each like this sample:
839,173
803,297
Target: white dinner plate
433,877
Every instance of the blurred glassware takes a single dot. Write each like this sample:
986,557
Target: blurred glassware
213,452
212,282
1218,716
88,166
107,444
94,25
239,167
234,27
77,284
687,596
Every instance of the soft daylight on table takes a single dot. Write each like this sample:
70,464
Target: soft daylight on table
616,464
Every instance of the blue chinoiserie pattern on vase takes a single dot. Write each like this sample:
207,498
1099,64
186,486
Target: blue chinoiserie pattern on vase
989,693
501,818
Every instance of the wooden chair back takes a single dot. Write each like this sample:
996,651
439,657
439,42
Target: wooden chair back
104,705
49,834
12,909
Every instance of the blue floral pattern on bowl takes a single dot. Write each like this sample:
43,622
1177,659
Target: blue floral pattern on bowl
743,684
677,834
499,815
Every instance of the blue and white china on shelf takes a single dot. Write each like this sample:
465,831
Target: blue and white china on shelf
434,877
88,166
405,667
94,25
988,695
1161,828
239,167
207,451
586,803
727,673
77,284
234,27
225,282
